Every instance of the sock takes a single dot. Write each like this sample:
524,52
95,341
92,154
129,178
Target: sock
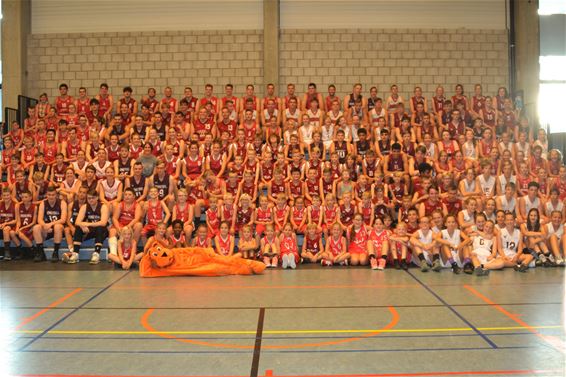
451,261
421,257
467,260
372,256
97,248
113,245
435,257
384,257
56,247
6,247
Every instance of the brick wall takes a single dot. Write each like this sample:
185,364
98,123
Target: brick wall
424,57
143,60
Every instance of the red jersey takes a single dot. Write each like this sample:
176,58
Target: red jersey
127,214
298,214
62,105
26,214
7,213
224,244
202,128
264,215
183,214
154,213
104,104
230,127
288,245
313,245
213,217
49,153
194,166
330,215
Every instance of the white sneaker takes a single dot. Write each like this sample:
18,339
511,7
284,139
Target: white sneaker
95,258
73,257
284,261
292,263
65,257
560,262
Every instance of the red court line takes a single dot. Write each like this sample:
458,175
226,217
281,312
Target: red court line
48,308
270,373
145,323
514,317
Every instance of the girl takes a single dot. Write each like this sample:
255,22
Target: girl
314,213
484,251
182,210
127,255
299,216
453,245
244,213
270,247
213,218
467,216
201,239
177,239
224,241
534,239
160,235
358,235
379,246
331,213
423,244
288,247
366,209
70,186
312,245
399,244
335,252
263,216
156,212
554,231
247,245
347,212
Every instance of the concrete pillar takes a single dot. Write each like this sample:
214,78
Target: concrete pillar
527,50
16,26
271,43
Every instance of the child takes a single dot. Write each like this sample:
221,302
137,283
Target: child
366,209
127,248
263,216
244,213
178,238
247,245
183,211
299,216
358,235
288,247
281,212
312,245
224,241
424,244
213,218
202,239
270,247
534,241
314,213
453,242
554,231
160,235
155,212
331,213
379,246
399,244
484,251
228,213
26,218
335,252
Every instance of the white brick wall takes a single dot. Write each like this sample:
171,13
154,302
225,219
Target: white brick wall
407,57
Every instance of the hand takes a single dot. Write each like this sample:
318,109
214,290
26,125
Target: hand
85,228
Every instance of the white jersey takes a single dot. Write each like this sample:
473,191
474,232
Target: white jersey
306,133
531,204
504,181
314,118
507,205
549,207
425,238
268,116
101,170
481,247
525,148
454,240
468,217
374,115
470,150
431,151
558,233
491,217
69,186
327,135
487,185
110,191
334,116
295,115
469,187
510,241
504,147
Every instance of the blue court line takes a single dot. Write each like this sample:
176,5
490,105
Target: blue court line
73,312
153,338
283,351
488,341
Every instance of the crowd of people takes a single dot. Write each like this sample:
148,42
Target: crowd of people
450,181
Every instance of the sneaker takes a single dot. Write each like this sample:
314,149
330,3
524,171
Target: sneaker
381,264
424,266
480,271
560,262
54,257
523,268
396,264
345,263
326,263
373,263
436,266
404,265
7,255
37,257
292,262
468,268
65,257
95,258
266,262
285,261
73,257
456,269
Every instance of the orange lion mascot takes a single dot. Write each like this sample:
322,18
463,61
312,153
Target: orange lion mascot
193,261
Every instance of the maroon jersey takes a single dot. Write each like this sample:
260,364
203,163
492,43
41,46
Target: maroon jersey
127,214
313,244
202,128
230,127
26,214
347,214
430,207
7,213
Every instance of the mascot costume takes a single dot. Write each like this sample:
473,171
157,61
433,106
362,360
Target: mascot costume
159,260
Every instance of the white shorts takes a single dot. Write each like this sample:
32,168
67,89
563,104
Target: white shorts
482,255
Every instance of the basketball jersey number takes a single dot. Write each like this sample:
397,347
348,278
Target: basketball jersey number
510,245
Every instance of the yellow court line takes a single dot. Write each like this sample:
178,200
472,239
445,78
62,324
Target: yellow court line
103,332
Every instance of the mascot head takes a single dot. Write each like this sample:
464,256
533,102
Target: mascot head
160,255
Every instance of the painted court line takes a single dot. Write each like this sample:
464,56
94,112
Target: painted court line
394,320
46,331
487,340
283,332
553,341
47,308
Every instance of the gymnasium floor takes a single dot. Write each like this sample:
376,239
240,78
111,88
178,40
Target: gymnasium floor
81,320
